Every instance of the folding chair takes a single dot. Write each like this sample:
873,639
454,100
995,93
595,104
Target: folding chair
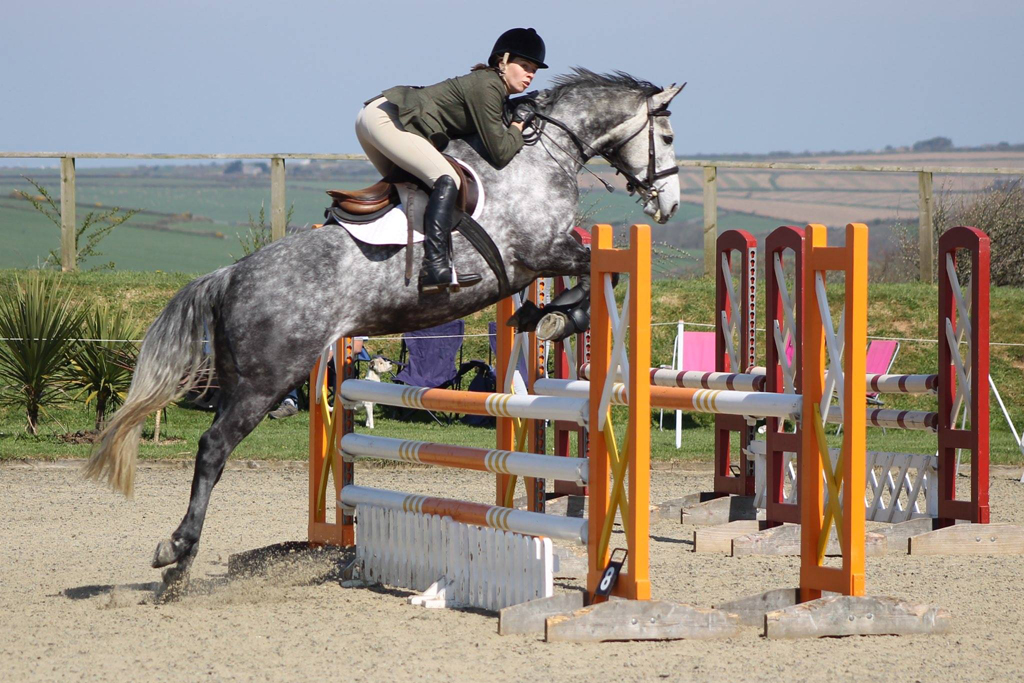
428,360
880,357
691,351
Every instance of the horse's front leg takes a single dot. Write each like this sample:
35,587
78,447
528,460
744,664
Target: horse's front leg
567,314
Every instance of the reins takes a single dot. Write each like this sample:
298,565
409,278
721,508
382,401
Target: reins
645,188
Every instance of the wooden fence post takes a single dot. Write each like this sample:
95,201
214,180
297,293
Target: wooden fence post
278,215
710,219
925,227
68,248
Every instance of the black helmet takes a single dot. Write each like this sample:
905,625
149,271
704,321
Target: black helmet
519,42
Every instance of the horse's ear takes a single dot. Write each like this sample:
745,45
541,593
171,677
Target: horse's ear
661,100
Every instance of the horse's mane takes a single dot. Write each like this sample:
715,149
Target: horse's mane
585,78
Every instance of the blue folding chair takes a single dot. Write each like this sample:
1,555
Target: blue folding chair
428,360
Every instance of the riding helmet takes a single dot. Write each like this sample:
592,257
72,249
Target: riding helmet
520,42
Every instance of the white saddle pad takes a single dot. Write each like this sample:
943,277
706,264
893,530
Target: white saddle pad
394,226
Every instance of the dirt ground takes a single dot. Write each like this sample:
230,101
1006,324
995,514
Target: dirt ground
78,599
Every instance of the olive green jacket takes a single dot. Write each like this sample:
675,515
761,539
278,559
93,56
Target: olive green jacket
459,107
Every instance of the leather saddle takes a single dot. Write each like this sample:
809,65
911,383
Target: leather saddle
370,203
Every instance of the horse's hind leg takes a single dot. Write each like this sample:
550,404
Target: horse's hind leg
240,411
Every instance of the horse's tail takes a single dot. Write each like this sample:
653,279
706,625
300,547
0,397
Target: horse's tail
176,355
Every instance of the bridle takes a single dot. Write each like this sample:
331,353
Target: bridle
644,187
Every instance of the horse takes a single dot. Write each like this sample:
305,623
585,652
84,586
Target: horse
265,319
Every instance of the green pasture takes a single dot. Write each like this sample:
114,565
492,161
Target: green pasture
190,218
903,310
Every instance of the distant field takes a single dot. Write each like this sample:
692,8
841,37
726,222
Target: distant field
191,217
836,198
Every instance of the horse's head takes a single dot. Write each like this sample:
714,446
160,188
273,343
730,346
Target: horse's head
641,147
624,120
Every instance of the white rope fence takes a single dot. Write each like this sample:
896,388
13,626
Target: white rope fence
482,335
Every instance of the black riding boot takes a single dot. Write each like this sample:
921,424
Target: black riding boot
438,217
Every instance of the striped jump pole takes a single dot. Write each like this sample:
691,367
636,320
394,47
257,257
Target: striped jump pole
713,401
695,379
463,457
723,402
569,529
467,402
757,380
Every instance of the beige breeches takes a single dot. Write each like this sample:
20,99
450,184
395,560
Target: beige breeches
387,144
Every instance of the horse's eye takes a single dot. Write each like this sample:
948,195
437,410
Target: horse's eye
667,139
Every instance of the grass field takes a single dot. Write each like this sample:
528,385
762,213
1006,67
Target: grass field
191,216
905,310
193,225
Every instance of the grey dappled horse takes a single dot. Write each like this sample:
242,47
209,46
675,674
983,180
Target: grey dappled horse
271,314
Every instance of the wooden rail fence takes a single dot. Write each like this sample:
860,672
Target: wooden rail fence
278,213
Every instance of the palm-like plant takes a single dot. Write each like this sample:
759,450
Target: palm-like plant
102,361
37,325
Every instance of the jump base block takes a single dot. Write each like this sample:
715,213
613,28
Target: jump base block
751,609
785,540
718,539
530,617
719,511
970,539
899,534
640,620
845,615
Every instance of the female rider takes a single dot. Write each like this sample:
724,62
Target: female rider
409,126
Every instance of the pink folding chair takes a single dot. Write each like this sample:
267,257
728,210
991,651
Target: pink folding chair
698,351
880,357
693,351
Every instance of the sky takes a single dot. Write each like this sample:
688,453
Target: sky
289,76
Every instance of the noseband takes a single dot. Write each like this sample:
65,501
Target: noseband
645,187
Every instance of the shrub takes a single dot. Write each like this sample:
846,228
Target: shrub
998,211
95,226
259,233
102,361
37,325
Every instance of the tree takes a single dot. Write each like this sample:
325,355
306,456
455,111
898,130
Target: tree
936,144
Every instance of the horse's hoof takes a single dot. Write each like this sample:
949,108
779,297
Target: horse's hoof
168,552
554,327
526,317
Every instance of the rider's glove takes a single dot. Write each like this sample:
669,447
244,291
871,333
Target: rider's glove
523,113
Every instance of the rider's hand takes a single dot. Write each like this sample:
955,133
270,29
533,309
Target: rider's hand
517,124
523,114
